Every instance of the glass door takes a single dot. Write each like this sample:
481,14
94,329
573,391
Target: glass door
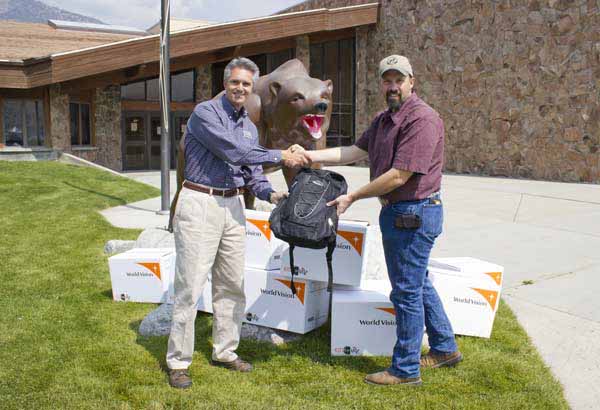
179,125
134,141
154,143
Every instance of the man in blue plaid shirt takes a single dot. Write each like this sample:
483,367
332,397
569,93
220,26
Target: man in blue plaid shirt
222,158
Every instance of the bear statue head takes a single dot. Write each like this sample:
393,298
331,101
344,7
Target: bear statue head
301,110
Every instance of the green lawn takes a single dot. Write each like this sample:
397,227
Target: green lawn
64,344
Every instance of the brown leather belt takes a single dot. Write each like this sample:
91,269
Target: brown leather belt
385,202
214,191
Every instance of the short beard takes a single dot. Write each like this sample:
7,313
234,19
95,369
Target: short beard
394,104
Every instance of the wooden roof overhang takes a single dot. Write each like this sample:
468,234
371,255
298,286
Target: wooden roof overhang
204,44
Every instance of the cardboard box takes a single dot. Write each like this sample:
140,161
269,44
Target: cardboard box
143,275
349,257
263,249
470,293
269,302
363,321
464,267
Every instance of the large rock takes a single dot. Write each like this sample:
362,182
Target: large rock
155,238
158,323
118,246
266,334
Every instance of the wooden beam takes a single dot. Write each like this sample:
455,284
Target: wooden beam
324,36
203,41
37,93
128,105
182,63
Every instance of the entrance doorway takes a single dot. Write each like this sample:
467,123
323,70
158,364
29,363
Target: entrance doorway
141,139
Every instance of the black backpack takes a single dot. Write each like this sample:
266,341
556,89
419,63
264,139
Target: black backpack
303,218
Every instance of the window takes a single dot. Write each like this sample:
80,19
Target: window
182,88
265,63
335,60
23,122
80,123
134,91
152,90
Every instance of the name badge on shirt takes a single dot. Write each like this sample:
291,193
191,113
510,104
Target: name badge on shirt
247,134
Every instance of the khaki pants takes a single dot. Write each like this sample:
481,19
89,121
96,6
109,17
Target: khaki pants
210,235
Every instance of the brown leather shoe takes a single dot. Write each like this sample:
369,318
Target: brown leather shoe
237,365
180,378
386,378
434,360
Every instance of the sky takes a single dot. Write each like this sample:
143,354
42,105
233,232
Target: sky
144,13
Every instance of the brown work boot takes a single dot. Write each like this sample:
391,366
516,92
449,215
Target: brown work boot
237,365
180,378
386,378
433,360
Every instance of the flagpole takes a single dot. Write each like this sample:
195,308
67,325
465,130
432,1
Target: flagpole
165,108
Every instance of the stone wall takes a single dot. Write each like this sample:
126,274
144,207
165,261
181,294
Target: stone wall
87,153
60,136
517,82
107,104
203,82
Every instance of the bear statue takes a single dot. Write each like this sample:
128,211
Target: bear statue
288,107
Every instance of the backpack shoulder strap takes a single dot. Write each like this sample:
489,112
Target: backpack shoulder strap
292,269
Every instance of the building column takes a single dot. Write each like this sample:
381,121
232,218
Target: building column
203,82
362,117
303,50
59,133
107,114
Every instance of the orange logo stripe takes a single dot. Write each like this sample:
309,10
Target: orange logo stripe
490,295
262,226
354,238
496,276
300,288
391,310
154,267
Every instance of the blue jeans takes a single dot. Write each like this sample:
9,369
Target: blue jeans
415,300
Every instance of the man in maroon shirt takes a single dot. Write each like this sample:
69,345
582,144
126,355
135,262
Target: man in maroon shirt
405,146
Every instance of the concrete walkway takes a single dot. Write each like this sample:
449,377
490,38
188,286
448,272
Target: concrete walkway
545,234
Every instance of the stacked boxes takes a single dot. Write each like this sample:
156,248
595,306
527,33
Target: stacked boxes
349,257
470,291
363,320
269,302
263,249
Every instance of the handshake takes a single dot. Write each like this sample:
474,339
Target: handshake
296,157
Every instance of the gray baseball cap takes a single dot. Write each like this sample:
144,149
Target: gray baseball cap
395,62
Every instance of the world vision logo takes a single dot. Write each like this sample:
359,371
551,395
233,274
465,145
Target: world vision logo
490,295
496,276
354,238
300,288
154,267
262,226
389,310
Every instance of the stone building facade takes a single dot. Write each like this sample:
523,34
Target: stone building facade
517,82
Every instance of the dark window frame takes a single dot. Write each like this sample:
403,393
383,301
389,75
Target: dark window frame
38,120
80,123
268,60
146,80
337,139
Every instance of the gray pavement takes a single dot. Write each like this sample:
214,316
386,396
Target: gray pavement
543,233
